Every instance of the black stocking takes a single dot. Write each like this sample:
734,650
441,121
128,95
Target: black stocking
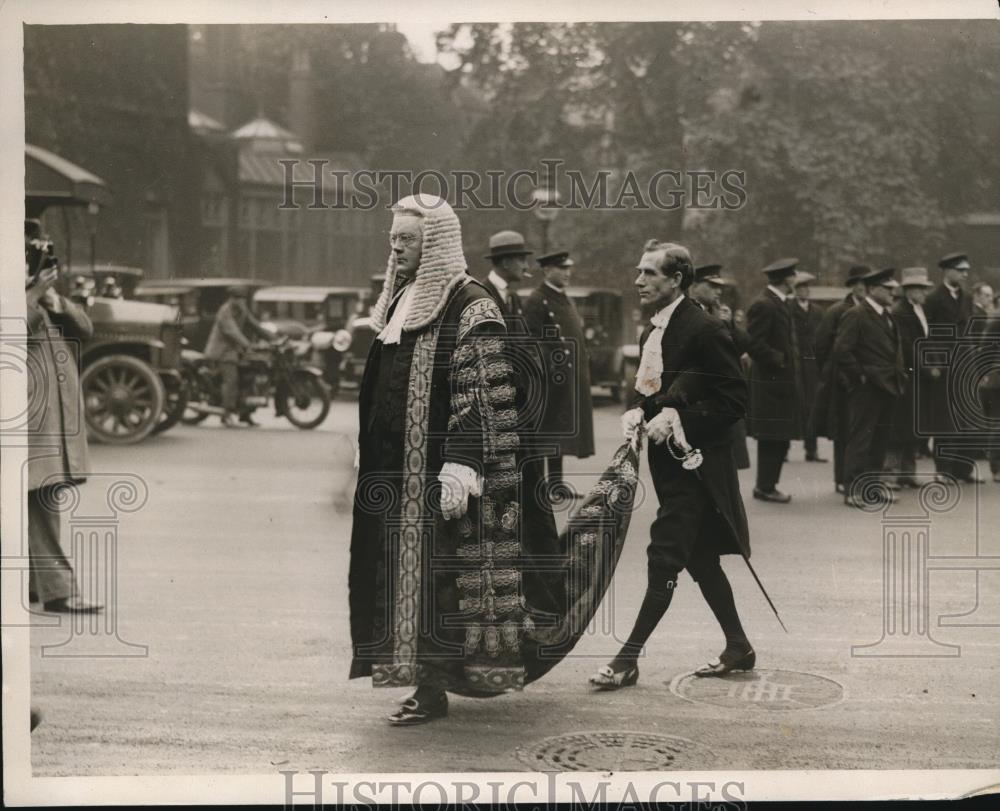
654,606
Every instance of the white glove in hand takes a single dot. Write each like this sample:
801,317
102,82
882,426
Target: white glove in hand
631,420
666,424
458,482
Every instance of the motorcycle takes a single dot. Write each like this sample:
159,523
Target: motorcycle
275,371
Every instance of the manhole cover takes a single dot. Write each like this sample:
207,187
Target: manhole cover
614,752
760,690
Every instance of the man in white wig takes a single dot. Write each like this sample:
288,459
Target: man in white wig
435,582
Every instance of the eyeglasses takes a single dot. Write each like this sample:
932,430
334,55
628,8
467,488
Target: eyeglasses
406,240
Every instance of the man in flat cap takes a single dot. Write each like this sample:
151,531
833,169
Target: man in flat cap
911,322
226,342
567,424
807,318
509,260
829,414
869,355
690,392
776,397
948,305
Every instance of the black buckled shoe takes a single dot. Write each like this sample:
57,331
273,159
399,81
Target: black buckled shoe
412,711
725,664
607,678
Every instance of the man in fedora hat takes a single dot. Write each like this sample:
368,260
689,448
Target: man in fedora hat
509,260
829,414
567,423
776,397
869,355
911,321
948,305
807,318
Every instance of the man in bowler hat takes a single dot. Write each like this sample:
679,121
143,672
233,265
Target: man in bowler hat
567,424
949,305
776,397
869,355
829,414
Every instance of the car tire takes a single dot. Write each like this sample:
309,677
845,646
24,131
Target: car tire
123,399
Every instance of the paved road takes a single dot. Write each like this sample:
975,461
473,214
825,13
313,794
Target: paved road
234,574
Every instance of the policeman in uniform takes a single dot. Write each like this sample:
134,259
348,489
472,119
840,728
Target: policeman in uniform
567,424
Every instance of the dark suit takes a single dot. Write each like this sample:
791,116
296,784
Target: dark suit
829,414
869,355
905,441
946,311
807,321
776,395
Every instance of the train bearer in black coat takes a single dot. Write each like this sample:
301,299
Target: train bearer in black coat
690,393
776,395
869,354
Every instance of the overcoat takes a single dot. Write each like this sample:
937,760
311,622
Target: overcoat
829,413
703,380
57,431
807,323
776,396
944,311
868,351
904,423
568,414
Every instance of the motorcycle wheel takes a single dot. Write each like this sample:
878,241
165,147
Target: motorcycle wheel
173,409
308,402
189,416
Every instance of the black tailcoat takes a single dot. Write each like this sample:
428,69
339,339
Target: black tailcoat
703,380
776,397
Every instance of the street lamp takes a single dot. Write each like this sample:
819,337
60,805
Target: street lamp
546,209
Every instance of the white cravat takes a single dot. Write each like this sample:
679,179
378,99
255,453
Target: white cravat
500,284
919,310
647,379
394,329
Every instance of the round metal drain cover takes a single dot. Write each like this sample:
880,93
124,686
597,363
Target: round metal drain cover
760,690
614,752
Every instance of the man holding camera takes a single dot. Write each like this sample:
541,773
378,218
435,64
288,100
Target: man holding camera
57,439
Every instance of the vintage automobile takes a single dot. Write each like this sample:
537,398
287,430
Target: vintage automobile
199,300
603,316
318,313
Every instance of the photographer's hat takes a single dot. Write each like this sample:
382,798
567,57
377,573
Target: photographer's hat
915,277
958,261
507,243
